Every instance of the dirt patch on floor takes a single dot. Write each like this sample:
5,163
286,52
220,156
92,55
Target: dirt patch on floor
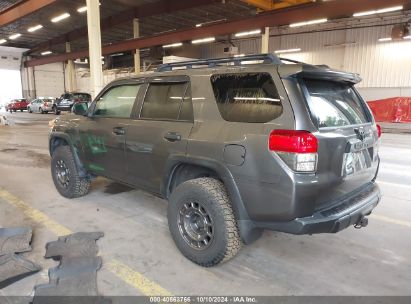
24,158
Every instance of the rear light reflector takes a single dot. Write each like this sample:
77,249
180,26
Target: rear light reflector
379,131
298,149
293,141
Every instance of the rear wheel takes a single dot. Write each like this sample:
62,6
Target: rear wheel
41,111
21,110
202,222
65,174
29,109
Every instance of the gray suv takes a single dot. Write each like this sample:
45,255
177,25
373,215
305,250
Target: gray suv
236,145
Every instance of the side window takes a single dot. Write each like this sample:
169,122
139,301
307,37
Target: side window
167,101
251,98
117,102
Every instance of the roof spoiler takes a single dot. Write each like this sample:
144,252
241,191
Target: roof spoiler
316,72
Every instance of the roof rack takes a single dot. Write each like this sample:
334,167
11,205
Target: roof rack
210,63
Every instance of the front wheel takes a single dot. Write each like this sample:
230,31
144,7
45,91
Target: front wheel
202,222
41,111
30,111
65,174
56,111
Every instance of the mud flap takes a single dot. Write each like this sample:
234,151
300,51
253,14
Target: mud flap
14,268
74,280
74,245
15,240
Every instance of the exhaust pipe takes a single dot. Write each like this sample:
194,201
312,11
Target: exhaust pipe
362,222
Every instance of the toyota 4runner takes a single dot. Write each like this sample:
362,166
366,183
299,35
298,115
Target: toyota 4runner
236,145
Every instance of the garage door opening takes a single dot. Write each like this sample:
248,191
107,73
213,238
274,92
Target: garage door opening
10,85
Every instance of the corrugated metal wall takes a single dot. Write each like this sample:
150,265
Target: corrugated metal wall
381,64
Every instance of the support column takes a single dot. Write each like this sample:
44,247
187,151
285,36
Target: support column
94,41
136,31
71,73
265,41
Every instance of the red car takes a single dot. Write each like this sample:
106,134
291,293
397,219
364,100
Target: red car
17,104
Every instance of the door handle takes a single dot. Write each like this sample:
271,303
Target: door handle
172,136
119,131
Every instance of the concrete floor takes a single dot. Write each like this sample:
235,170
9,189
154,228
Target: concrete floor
371,261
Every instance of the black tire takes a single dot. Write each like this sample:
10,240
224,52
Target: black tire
56,111
209,197
21,110
47,112
41,111
76,186
30,111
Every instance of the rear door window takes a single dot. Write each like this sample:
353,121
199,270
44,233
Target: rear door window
251,98
335,104
168,101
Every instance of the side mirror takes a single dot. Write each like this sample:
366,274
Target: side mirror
80,108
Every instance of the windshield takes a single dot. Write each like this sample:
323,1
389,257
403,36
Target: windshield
335,104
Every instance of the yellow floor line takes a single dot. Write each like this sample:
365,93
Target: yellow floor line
122,271
134,278
391,220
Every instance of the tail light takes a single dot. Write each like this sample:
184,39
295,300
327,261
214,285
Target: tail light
46,104
379,131
298,149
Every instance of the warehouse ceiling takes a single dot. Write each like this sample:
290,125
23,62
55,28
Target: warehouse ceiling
158,18
151,25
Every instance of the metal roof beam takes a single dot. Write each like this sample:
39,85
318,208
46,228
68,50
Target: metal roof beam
22,9
146,10
329,9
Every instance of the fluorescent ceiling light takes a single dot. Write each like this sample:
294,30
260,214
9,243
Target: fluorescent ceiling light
311,22
117,54
210,22
385,39
14,36
288,51
380,11
46,53
173,45
250,33
406,37
35,28
3,41
61,17
82,9
204,40
239,55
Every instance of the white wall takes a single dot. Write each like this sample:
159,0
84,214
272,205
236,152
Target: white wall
49,80
384,66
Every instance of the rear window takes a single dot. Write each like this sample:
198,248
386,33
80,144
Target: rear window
251,98
335,104
82,96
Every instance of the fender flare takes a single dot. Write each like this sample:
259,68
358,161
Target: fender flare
249,232
64,136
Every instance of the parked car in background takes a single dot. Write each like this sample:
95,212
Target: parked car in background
41,105
17,104
67,100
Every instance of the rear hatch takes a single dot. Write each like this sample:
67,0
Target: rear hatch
348,138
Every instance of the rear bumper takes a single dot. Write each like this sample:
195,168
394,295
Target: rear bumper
64,107
346,213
